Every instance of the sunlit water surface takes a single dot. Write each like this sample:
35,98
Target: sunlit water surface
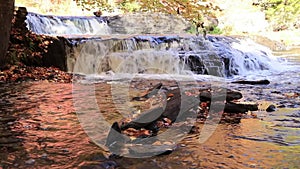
39,128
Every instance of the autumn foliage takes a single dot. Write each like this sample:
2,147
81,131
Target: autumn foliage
192,10
25,53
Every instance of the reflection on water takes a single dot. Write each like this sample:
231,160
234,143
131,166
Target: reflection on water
39,128
45,130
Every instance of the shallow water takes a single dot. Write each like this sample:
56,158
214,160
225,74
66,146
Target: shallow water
39,127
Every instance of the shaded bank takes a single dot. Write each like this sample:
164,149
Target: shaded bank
31,49
6,15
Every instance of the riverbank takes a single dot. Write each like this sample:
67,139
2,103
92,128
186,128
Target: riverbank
291,38
242,18
30,73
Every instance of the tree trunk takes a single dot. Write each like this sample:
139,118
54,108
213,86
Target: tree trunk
6,15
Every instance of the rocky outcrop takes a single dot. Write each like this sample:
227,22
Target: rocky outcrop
147,23
20,14
56,55
31,49
272,44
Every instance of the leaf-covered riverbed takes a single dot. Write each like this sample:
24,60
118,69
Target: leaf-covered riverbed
40,128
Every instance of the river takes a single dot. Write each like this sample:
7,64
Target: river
44,125
40,129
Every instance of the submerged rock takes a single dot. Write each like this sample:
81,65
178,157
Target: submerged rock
258,82
271,108
30,161
109,165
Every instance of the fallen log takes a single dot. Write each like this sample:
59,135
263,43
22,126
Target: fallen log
146,120
258,82
176,109
115,140
239,107
228,95
178,106
151,92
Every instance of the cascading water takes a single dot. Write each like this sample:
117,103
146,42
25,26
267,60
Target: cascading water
244,56
146,54
222,56
61,25
152,54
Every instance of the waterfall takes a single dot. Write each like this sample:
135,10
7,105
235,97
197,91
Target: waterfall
244,56
120,51
62,25
220,56
145,54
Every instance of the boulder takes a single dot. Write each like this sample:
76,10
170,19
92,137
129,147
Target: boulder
147,23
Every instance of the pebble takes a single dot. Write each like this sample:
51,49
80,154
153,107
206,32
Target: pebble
109,165
7,119
30,162
231,156
271,108
183,145
10,123
44,155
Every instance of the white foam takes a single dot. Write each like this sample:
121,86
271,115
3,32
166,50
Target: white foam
55,25
254,59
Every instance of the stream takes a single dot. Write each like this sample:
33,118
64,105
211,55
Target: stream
60,125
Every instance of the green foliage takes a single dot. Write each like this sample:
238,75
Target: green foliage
210,30
192,30
193,10
129,6
103,5
227,30
215,30
283,14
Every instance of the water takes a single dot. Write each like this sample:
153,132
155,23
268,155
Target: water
62,25
41,127
38,123
148,52
152,54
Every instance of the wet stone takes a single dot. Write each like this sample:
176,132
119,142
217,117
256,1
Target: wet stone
231,156
281,106
271,108
8,140
44,156
30,162
7,119
10,123
109,165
